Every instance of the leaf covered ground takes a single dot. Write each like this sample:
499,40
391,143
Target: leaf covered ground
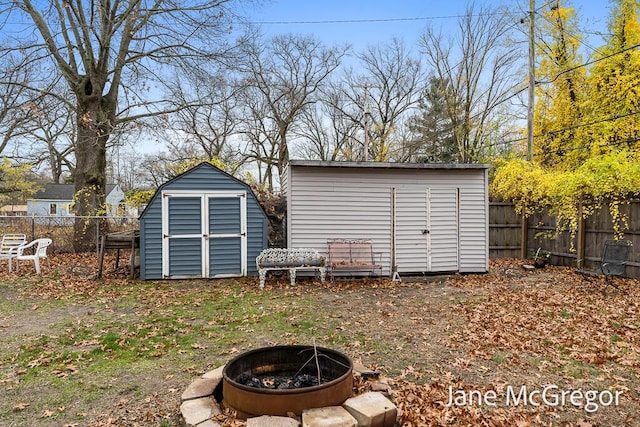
119,352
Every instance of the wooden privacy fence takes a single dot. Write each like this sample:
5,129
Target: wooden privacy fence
508,232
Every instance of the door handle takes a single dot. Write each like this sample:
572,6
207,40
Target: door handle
425,231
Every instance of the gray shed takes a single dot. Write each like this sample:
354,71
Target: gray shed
203,223
422,218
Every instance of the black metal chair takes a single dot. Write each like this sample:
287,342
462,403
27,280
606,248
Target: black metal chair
615,254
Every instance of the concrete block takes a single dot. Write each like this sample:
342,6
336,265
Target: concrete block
196,411
330,416
272,421
372,410
200,388
214,374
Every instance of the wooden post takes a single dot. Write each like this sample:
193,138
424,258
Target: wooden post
581,234
101,250
524,237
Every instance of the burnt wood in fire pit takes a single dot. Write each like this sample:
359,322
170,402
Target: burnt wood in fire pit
281,379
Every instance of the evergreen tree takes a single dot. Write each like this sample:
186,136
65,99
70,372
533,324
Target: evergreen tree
431,127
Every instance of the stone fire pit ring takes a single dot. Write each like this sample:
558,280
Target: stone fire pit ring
335,387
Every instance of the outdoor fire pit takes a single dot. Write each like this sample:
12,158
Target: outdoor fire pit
282,379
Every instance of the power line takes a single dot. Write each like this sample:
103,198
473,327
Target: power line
562,151
581,125
588,63
367,21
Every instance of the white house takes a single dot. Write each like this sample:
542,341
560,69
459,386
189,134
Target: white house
57,200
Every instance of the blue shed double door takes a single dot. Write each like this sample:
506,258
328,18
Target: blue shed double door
204,235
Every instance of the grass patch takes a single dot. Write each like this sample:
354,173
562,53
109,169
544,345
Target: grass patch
499,358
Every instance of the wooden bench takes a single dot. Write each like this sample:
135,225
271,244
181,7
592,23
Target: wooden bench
292,260
352,256
120,240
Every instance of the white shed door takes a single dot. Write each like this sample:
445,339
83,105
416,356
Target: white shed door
443,229
426,230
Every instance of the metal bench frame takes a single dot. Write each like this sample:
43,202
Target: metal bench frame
352,255
291,260
615,254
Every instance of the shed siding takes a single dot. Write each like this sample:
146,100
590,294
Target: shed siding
474,233
327,202
203,178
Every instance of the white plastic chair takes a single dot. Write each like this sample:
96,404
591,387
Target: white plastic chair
9,246
40,251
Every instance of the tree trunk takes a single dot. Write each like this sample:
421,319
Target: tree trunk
94,127
283,152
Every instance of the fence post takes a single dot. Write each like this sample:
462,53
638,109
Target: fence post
524,236
582,234
97,237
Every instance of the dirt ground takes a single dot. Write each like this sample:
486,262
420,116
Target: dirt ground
430,336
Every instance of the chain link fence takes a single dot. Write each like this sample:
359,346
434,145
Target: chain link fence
61,229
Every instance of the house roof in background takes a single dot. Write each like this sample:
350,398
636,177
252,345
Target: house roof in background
62,191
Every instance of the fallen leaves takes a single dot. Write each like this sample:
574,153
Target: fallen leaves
559,320
470,332
20,406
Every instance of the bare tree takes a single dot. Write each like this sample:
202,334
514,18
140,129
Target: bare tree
329,130
209,121
283,77
393,79
258,130
114,57
51,134
16,107
480,65
383,90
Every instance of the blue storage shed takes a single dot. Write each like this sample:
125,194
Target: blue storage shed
203,223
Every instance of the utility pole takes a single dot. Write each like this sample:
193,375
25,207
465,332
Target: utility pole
532,79
524,229
367,115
